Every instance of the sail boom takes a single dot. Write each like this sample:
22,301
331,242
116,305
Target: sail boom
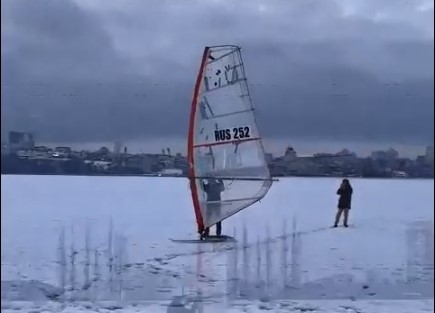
237,178
230,142
235,200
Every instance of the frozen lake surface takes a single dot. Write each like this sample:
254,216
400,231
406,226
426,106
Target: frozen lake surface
95,244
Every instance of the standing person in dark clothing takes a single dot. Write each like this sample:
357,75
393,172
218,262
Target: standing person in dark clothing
213,188
344,202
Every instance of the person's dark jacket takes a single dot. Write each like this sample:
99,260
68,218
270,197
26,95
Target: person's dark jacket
345,200
213,188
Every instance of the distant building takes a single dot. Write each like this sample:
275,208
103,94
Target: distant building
389,155
346,153
117,147
103,151
35,153
101,165
303,166
420,160
346,157
429,154
401,174
341,156
290,154
143,162
20,141
62,152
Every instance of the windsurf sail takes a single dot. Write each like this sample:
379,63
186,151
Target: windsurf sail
223,141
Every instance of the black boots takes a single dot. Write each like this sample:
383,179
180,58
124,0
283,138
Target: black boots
345,225
206,232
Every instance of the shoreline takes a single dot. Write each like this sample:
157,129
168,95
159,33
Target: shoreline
156,175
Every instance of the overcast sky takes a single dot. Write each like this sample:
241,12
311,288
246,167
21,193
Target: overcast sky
322,71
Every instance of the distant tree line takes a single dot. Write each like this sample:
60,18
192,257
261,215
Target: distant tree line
12,164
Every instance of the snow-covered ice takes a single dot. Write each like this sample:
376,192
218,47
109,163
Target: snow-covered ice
95,244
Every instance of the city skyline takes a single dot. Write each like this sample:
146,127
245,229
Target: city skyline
23,154
276,147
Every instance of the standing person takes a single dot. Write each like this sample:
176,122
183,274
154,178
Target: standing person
213,188
344,202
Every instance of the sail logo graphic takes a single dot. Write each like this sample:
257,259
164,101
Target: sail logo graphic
219,79
236,133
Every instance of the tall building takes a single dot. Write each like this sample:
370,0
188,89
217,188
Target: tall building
429,154
20,140
290,154
388,155
117,147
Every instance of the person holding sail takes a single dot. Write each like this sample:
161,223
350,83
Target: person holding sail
213,189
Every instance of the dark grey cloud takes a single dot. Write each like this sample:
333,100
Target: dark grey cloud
328,70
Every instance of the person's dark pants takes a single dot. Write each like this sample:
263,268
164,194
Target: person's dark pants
212,209
218,230
338,216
